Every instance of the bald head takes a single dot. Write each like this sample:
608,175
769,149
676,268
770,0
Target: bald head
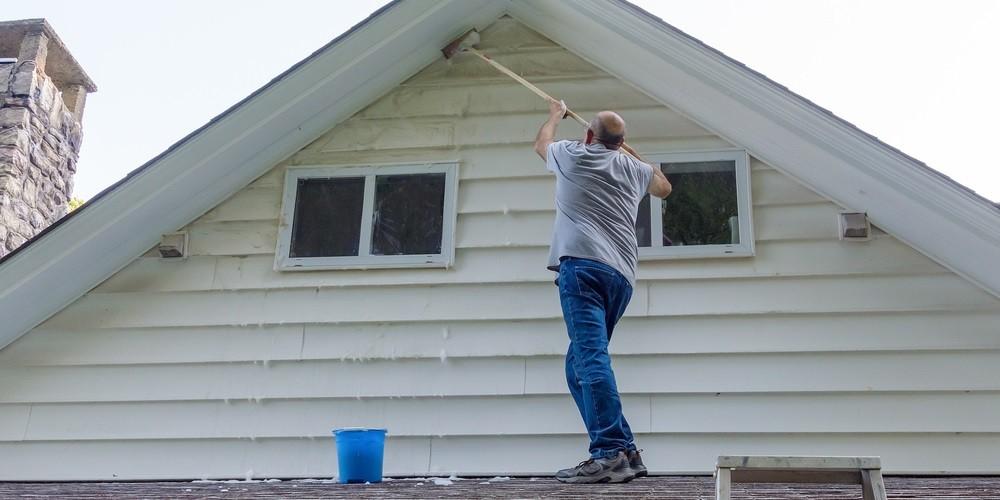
608,127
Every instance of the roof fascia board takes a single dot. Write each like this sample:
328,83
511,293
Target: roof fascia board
921,207
228,154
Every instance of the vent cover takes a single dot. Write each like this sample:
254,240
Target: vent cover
854,226
173,245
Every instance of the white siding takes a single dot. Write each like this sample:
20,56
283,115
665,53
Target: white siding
217,365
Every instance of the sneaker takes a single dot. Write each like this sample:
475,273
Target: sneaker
635,462
599,470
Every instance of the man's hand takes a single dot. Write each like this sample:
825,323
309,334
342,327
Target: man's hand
557,111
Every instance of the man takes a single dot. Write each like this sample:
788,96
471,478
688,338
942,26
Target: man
598,190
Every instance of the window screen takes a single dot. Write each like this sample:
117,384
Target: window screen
327,221
368,217
703,208
408,215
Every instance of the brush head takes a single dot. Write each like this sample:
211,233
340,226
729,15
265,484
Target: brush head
468,40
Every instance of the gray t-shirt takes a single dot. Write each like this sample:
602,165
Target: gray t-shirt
598,191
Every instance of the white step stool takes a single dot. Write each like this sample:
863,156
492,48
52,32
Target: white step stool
866,471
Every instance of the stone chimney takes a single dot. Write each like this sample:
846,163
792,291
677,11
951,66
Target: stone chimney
42,94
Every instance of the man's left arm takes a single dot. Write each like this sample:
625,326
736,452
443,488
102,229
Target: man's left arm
659,186
547,134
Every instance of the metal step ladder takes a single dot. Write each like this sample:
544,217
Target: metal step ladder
866,471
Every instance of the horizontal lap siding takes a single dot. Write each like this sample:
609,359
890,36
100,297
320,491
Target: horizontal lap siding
504,376
365,134
884,255
891,413
731,333
840,294
218,365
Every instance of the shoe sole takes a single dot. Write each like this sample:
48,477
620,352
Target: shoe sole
609,477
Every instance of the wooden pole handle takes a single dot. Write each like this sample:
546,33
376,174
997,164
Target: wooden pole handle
541,93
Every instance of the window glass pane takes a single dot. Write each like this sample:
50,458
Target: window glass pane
643,233
702,208
408,215
327,221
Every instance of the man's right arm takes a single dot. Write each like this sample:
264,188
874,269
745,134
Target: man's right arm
659,186
547,134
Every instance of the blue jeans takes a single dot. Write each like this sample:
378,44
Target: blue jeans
593,297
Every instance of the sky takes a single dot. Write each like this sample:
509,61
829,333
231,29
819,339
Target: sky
921,75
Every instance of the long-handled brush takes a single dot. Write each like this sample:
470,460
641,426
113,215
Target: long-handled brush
467,42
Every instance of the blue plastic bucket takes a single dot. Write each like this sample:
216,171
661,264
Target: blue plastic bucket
359,454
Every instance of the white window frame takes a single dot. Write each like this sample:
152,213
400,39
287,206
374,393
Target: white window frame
744,204
364,261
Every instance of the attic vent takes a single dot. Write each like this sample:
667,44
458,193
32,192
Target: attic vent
173,245
854,226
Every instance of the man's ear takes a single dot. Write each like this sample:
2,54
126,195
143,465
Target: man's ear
590,136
